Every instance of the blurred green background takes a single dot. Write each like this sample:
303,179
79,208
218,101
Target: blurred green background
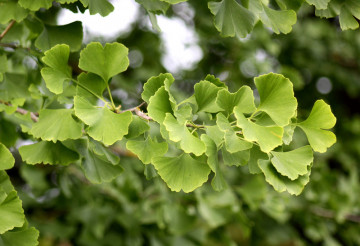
138,209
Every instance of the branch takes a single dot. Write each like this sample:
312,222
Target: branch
34,116
7,29
322,212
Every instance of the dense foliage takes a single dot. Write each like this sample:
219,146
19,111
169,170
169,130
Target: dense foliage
229,135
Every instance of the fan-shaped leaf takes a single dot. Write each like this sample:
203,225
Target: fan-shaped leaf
205,95
320,119
7,160
58,70
23,237
243,98
182,172
276,97
102,7
148,149
105,61
154,83
11,10
159,105
56,125
11,212
35,5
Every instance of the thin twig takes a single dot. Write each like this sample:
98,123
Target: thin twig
7,29
33,116
134,108
322,212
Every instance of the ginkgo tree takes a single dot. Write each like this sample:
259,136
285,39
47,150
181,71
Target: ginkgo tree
72,119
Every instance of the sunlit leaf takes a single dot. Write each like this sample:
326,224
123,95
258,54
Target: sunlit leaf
56,125
105,61
7,160
320,119
319,4
35,4
102,7
205,94
293,163
11,212
276,97
182,172
10,10
154,83
24,237
280,21
243,98
159,105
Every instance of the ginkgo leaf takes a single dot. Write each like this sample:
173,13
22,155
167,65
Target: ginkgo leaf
216,134
179,133
100,150
268,137
243,98
47,153
280,21
218,182
11,212
148,149
7,160
255,155
154,83
24,237
293,163
11,10
5,182
70,34
102,7
154,6
104,125
98,168
216,81
91,83
58,70
276,97
233,143
105,61
239,158
56,125
319,4
231,18
205,95
320,119
281,183
159,105
347,20
137,127
35,5
182,172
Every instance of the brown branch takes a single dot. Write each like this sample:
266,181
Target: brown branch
326,213
33,116
7,29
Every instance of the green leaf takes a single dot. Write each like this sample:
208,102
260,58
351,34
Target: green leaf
288,133
137,127
218,182
178,132
10,10
293,163
56,125
268,137
5,182
104,125
290,4
231,18
320,119
182,172
105,61
174,1
205,95
23,237
98,167
240,158
148,149
159,105
280,21
91,84
254,192
243,98
11,212
347,21
233,143
255,155
154,6
35,5
70,34
216,134
102,7
281,183
156,82
99,149
47,153
276,98
319,4
7,160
